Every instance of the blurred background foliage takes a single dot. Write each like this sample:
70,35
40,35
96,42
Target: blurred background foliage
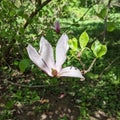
25,21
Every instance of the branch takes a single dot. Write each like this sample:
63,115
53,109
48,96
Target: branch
79,59
26,86
9,78
39,7
97,2
91,65
106,68
105,21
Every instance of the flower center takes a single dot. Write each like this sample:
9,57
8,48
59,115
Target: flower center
54,72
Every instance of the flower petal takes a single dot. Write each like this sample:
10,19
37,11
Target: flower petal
71,72
61,50
46,52
36,58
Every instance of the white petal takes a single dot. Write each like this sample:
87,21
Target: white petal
61,50
71,72
46,52
36,58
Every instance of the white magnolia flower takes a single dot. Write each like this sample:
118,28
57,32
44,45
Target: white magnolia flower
44,58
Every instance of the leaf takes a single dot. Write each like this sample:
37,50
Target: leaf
16,63
73,43
83,40
103,13
23,65
111,26
9,105
98,49
92,75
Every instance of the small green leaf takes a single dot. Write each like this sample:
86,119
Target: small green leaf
83,40
21,30
92,75
12,13
9,104
23,65
103,13
111,26
73,43
98,49
16,62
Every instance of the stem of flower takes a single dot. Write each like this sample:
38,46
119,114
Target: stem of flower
90,67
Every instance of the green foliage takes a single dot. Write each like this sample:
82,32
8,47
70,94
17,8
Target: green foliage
111,26
63,118
103,13
83,40
92,75
73,43
25,96
23,65
96,92
98,49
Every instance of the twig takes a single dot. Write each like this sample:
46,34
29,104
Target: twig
26,86
34,13
106,68
79,59
91,65
105,21
97,2
9,79
39,7
83,65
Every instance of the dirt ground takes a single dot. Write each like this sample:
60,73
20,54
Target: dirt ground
59,107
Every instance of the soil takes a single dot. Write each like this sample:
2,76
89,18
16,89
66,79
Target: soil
59,107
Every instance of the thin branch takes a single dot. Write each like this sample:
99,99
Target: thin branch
26,86
83,65
9,78
106,68
88,9
90,67
79,59
105,21
39,7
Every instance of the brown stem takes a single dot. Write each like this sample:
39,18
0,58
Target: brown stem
26,86
83,65
88,9
106,68
90,67
79,59
105,21
39,6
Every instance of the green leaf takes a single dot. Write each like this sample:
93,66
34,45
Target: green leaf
98,49
21,30
83,40
92,75
23,65
111,26
16,63
73,43
103,13
9,104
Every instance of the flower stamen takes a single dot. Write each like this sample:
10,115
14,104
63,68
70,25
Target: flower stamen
54,72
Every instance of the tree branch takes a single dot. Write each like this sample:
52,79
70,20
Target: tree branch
91,65
106,68
39,6
105,21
